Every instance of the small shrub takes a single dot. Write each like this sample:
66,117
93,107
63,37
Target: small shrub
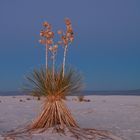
21,100
28,98
81,98
38,98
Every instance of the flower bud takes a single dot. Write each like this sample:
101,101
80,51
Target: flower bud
49,41
50,48
45,24
56,46
60,32
42,41
67,21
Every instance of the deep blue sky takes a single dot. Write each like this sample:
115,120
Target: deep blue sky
106,47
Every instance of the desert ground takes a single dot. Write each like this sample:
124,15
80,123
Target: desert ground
118,114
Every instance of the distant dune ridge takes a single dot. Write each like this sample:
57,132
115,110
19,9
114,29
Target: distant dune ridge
12,93
87,92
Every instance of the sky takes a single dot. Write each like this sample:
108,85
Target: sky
106,48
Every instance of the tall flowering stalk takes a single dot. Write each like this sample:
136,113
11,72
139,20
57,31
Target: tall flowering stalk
53,50
66,40
46,38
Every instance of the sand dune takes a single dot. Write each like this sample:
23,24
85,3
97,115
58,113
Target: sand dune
117,114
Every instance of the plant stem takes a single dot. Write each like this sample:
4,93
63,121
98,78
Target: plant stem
64,61
46,57
53,65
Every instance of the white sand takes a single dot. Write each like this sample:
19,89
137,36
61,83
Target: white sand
118,114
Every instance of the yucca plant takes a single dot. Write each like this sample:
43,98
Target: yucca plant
55,113
54,85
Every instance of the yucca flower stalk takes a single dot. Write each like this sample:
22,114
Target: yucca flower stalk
46,39
64,59
53,50
66,40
